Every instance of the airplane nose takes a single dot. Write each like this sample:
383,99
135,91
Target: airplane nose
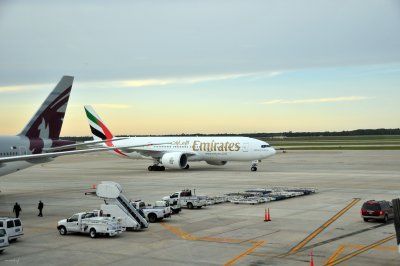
273,151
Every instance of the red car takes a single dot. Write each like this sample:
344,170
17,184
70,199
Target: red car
377,210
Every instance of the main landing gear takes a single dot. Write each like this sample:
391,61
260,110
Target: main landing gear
156,167
254,165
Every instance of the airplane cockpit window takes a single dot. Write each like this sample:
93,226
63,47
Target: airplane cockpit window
265,146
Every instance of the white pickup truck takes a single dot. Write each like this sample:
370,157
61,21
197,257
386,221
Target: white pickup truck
89,223
153,214
186,199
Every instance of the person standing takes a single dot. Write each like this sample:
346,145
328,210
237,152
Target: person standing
40,208
17,209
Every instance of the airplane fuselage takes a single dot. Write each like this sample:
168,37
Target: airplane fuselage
201,148
14,146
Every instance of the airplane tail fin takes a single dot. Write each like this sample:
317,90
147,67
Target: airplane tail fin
48,120
98,128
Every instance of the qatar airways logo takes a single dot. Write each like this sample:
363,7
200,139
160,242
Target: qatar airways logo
215,146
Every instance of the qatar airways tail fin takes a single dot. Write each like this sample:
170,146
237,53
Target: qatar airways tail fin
47,121
98,128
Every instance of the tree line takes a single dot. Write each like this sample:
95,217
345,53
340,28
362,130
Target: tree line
344,133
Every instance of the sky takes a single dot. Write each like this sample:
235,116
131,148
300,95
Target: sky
220,66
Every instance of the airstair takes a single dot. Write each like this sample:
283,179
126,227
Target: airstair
111,193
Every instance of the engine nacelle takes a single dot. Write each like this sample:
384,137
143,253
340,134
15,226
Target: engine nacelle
174,160
216,162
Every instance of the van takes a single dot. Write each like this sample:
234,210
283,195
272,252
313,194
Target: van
13,227
3,240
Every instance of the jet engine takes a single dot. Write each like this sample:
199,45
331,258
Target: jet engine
174,160
216,162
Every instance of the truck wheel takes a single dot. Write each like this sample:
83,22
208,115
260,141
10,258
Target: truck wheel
190,205
152,217
92,233
62,230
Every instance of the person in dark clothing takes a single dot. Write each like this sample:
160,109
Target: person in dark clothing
17,209
40,208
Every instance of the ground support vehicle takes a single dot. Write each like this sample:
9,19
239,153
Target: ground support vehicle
186,199
164,205
152,214
3,240
89,223
118,205
13,227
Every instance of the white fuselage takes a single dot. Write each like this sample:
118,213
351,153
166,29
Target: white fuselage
200,148
17,146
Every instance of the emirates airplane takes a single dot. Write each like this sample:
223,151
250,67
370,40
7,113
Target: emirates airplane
175,152
39,141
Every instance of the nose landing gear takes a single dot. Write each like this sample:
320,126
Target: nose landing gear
254,165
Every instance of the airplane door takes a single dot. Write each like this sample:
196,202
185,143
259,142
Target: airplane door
22,150
245,147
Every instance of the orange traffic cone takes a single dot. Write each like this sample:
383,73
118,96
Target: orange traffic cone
268,216
93,186
265,215
312,259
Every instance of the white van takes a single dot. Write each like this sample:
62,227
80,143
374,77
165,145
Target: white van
3,240
12,226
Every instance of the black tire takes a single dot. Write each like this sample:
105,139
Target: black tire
253,169
92,233
199,207
365,220
190,205
150,168
62,230
186,167
1,251
152,218
162,168
176,211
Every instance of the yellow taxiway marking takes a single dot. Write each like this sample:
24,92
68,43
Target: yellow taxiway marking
322,227
375,245
336,254
186,236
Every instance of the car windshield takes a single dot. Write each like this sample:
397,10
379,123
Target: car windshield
372,206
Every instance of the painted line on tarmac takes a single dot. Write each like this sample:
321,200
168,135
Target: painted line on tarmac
357,252
342,236
321,228
186,236
336,254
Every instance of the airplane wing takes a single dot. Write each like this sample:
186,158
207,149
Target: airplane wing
154,153
86,143
49,155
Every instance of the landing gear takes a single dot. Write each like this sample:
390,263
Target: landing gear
186,167
156,167
254,165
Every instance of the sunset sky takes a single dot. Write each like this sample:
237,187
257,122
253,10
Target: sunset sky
172,67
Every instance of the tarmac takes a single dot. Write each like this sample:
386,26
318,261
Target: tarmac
326,224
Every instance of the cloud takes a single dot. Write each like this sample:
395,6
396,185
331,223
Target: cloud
140,83
112,106
22,88
318,100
